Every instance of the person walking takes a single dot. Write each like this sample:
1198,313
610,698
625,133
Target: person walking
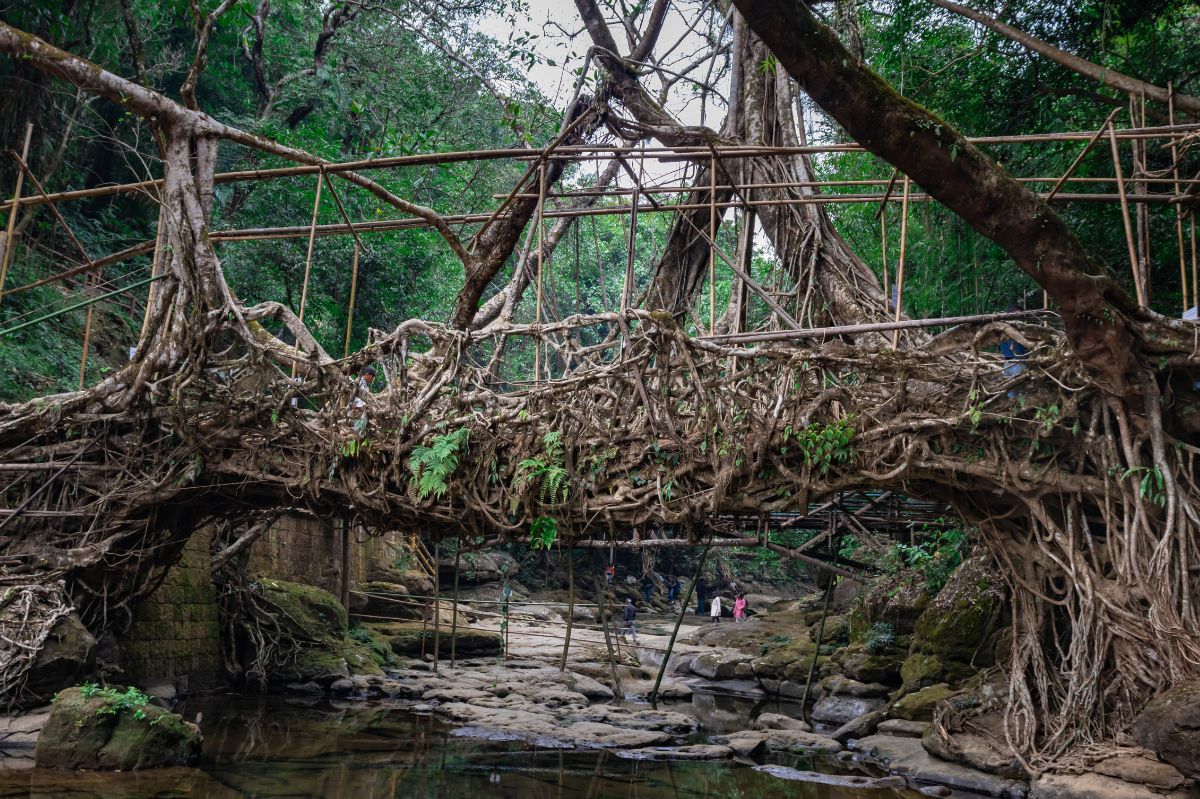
629,620
610,571
739,608
672,590
715,608
701,590
648,588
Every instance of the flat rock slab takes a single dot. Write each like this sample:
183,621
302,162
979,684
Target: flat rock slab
693,752
908,757
1145,770
903,728
1097,786
840,780
784,740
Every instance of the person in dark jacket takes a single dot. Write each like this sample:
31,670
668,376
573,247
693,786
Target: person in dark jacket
701,591
648,588
629,619
672,589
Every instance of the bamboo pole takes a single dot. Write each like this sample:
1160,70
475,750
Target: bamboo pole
541,253
887,289
577,153
562,664
1082,154
312,235
1183,277
900,263
820,629
454,604
82,304
6,255
1141,212
437,605
87,332
627,287
1133,259
350,305
1195,266
683,608
712,246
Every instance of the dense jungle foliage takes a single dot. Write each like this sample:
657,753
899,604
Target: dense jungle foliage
351,81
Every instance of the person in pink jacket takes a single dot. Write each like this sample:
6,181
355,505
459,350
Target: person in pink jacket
739,608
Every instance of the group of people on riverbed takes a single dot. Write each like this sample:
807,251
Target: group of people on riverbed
708,600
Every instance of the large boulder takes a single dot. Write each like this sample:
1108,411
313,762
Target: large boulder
113,729
1169,726
838,709
68,656
882,665
411,639
307,613
918,706
960,618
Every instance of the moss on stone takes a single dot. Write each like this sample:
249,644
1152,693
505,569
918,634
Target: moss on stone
918,706
91,732
308,612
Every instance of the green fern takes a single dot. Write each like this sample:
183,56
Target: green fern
431,466
549,471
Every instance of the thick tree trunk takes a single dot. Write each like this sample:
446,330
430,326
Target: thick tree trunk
960,176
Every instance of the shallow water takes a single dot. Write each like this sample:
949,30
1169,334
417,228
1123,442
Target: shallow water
274,747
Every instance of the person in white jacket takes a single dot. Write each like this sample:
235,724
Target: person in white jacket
715,608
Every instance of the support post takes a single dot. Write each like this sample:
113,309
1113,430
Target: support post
350,305
562,664
1183,277
8,245
683,608
437,605
312,237
712,244
541,254
454,605
1133,259
900,263
630,280
347,530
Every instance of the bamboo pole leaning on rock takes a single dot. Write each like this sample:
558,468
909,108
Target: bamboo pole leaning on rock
6,252
612,661
683,608
562,664
812,664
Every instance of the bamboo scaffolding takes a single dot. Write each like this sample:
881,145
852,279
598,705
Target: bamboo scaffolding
579,152
6,254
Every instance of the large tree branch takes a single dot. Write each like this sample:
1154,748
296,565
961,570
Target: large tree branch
1098,314
204,29
1082,66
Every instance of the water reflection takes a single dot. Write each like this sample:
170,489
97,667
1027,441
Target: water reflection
272,747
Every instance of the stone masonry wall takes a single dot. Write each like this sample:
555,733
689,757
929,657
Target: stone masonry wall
175,634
